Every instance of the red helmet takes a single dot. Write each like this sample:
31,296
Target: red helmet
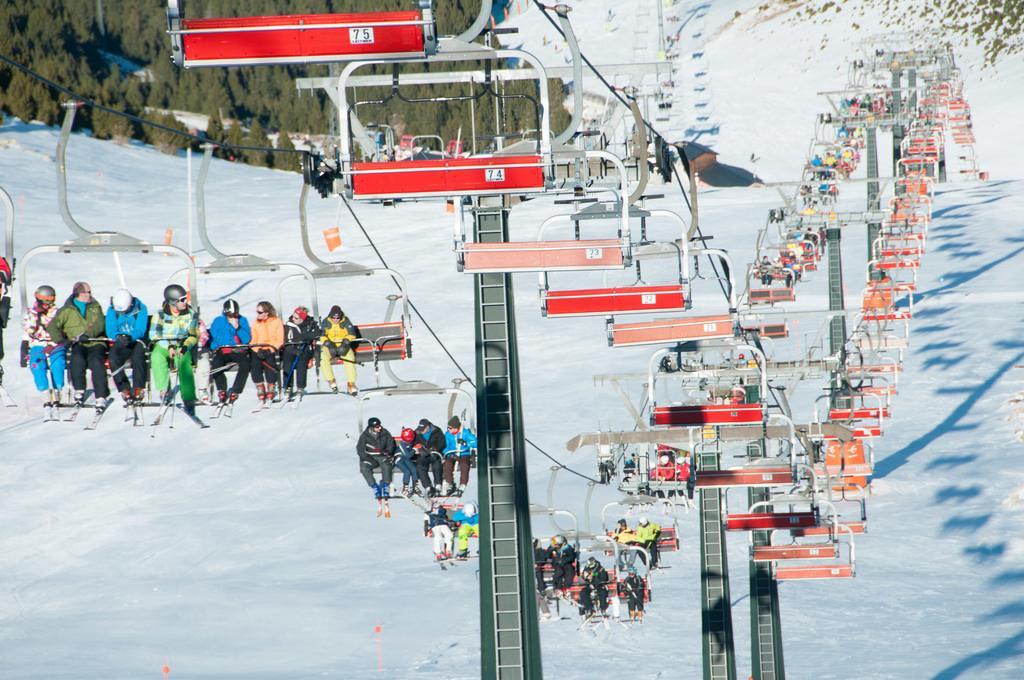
408,436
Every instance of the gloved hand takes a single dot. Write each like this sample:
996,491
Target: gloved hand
344,347
24,354
123,340
82,337
460,442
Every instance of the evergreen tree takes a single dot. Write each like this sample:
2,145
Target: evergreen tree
257,138
166,140
285,161
236,138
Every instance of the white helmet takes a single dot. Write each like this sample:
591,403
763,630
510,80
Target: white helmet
664,459
644,521
122,300
469,509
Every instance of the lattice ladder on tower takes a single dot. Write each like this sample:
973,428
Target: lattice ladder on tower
716,603
496,373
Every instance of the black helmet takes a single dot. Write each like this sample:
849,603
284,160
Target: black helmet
558,539
231,307
373,422
592,562
173,293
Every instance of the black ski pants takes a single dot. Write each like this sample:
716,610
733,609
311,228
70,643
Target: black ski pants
376,461
295,366
94,357
563,576
135,355
220,359
587,596
429,461
264,367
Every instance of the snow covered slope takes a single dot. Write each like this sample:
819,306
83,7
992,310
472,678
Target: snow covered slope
251,548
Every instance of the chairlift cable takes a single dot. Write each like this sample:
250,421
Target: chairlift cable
454,361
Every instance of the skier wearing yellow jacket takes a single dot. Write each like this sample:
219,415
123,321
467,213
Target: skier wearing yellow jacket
174,331
647,533
337,343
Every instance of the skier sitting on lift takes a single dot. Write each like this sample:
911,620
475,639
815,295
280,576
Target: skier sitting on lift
469,525
626,537
633,588
460,443
126,323
430,443
79,319
540,558
563,564
299,335
336,343
406,462
267,338
595,585
174,330
226,332
438,525
647,533
44,357
376,449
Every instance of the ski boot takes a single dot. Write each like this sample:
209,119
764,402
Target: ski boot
405,490
462,555
432,492
352,389
222,396
232,397
377,491
261,392
414,490
79,398
127,396
439,557
332,386
385,490
459,491
138,396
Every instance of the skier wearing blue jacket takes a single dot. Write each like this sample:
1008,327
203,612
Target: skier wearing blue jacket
227,332
126,324
460,443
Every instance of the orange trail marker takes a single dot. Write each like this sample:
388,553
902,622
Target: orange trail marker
332,237
380,647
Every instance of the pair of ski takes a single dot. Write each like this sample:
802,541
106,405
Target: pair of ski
165,408
453,561
224,408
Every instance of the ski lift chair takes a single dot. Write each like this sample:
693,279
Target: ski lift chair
699,415
638,297
300,38
446,177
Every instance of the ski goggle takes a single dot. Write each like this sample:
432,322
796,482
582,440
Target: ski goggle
47,299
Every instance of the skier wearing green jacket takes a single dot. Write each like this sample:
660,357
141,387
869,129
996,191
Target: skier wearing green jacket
173,332
80,319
